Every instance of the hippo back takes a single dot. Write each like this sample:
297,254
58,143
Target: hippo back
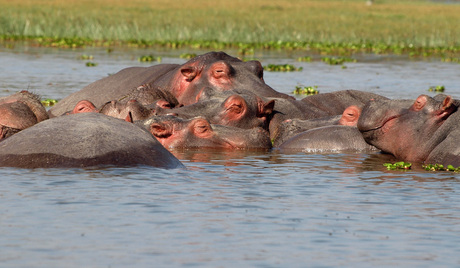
82,140
112,87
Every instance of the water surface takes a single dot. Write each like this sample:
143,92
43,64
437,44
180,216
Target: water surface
247,209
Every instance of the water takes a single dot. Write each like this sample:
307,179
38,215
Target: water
247,209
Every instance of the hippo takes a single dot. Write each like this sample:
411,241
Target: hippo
174,132
14,117
334,138
31,100
241,109
292,127
317,106
216,70
84,140
425,132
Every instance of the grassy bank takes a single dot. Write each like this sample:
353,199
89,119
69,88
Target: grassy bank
327,26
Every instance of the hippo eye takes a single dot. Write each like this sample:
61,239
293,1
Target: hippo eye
201,127
234,108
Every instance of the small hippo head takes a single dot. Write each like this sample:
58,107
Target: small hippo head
174,132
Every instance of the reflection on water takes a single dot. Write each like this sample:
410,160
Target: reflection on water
227,209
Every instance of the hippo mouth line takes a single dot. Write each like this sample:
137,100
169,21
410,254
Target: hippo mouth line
381,125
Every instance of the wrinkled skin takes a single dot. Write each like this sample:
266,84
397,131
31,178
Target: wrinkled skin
121,85
31,100
335,138
233,109
426,131
14,117
218,71
83,140
292,127
174,132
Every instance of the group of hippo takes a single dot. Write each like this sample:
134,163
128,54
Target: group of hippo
215,101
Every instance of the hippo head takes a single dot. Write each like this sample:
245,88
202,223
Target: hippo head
14,117
174,132
31,100
408,132
219,71
131,110
228,108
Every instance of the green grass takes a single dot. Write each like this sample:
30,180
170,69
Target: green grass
421,28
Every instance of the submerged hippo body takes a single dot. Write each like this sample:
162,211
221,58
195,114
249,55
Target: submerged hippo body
318,106
82,140
292,127
336,102
425,132
335,138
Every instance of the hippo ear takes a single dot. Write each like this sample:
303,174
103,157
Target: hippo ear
189,72
129,118
84,106
235,106
265,109
350,116
160,130
419,103
447,107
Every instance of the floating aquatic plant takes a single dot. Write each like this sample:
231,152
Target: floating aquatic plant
187,55
439,167
281,68
48,102
337,60
439,88
451,59
311,90
91,64
149,58
398,165
304,59
85,57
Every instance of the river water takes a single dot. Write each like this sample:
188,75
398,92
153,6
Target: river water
247,209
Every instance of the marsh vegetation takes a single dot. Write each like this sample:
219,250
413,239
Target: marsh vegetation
330,27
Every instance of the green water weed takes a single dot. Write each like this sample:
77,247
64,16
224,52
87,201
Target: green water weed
398,166
439,89
309,90
282,68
